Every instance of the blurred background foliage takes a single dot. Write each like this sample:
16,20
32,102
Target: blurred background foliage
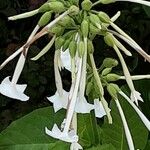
39,75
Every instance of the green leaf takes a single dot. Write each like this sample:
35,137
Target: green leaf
28,132
115,133
103,147
147,10
147,146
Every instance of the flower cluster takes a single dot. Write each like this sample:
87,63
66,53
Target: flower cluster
72,31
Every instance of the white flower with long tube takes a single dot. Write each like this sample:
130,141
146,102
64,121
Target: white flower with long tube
11,88
60,99
135,95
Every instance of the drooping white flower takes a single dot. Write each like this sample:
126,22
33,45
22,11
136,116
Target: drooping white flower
15,91
59,101
141,115
11,88
56,133
75,146
66,59
99,109
82,106
135,96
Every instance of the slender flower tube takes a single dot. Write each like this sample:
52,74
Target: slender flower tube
11,88
125,125
45,49
101,90
82,106
135,95
136,77
122,35
60,99
141,115
24,15
143,2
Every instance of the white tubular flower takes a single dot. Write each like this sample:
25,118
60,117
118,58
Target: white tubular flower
125,125
56,133
11,88
143,2
82,106
136,77
75,146
66,59
99,109
135,95
59,101
141,115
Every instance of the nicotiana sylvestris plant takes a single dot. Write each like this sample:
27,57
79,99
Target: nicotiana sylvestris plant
72,32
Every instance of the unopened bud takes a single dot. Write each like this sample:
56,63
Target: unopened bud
72,48
46,17
104,17
85,28
110,62
81,49
106,71
86,5
109,40
57,30
90,46
73,10
94,29
59,42
112,77
95,20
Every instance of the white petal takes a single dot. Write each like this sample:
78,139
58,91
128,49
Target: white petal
99,109
66,59
135,96
75,146
57,134
82,106
14,91
58,101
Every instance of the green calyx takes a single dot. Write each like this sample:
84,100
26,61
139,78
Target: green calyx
94,19
85,28
107,1
81,49
73,10
90,46
46,17
93,29
72,48
59,42
104,17
112,77
113,90
54,6
106,71
109,40
110,62
86,5
57,30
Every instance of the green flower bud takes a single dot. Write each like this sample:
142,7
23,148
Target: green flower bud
66,44
73,10
72,48
81,49
90,46
85,28
59,42
107,1
104,17
46,17
109,40
106,71
93,29
95,20
113,89
67,21
112,77
55,6
86,5
110,62
57,30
